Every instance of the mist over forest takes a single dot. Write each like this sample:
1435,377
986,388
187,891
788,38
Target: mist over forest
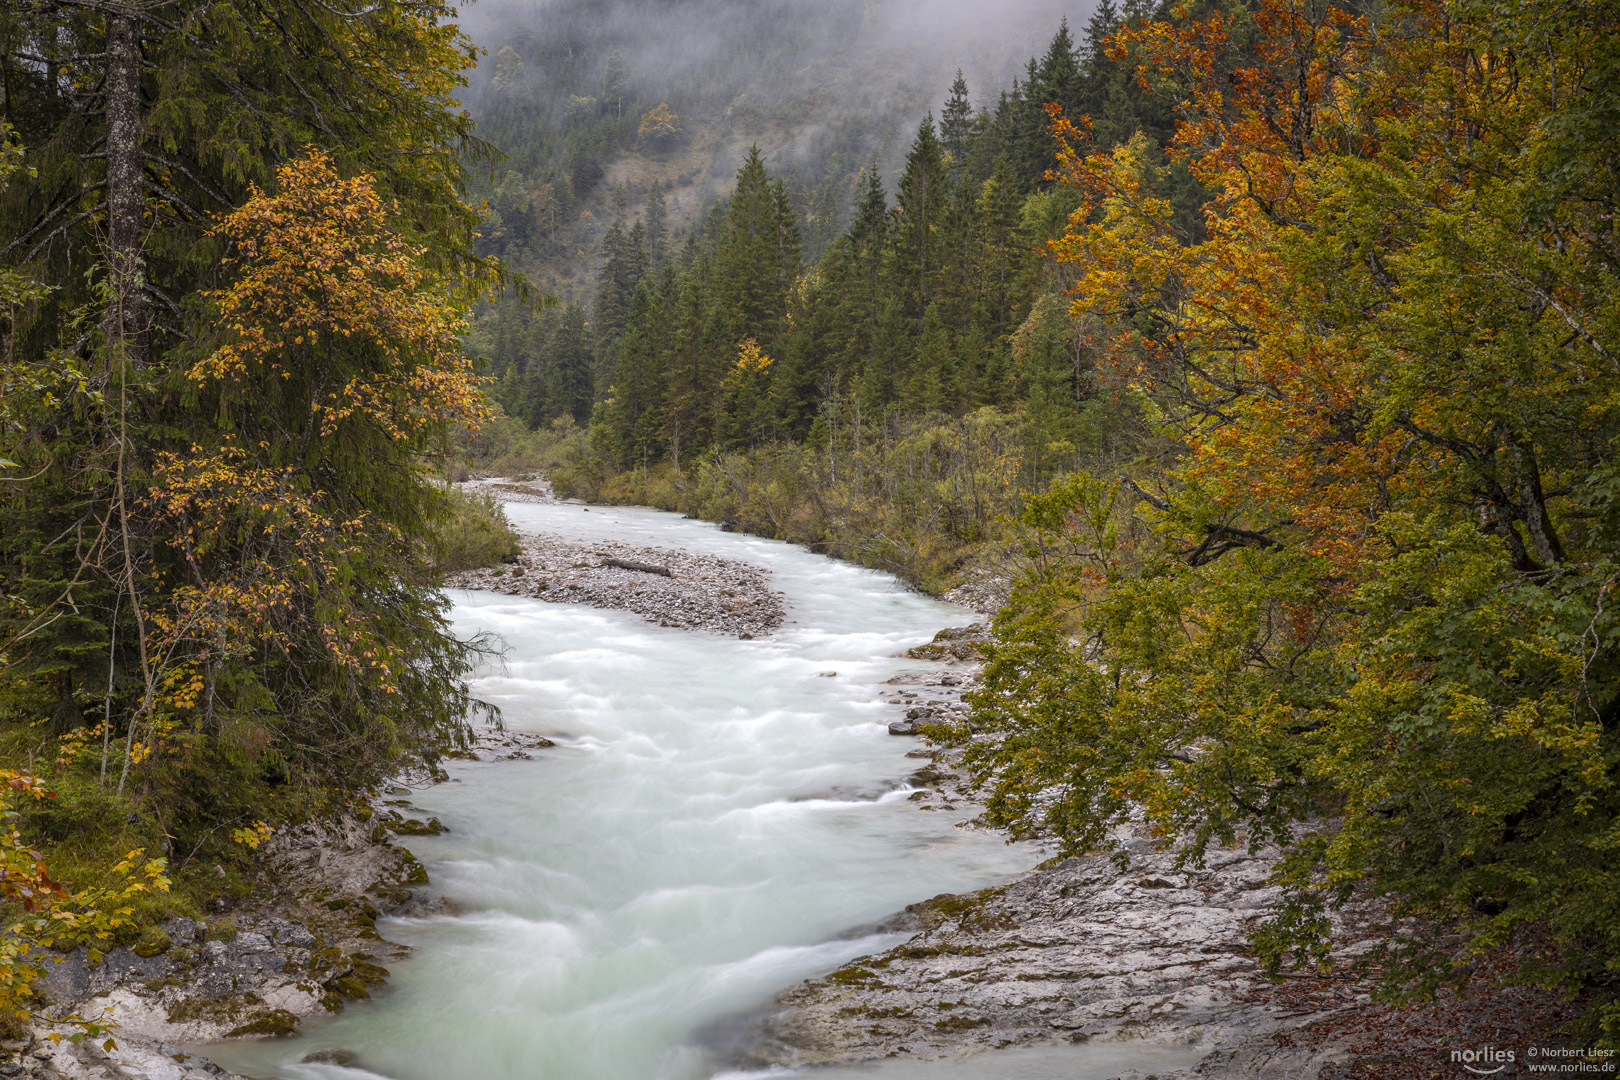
824,89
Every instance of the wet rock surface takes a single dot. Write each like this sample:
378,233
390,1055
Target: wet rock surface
1075,951
1079,951
954,643
698,592
301,945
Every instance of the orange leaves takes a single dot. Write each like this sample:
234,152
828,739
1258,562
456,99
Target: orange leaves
24,880
325,283
258,556
1253,114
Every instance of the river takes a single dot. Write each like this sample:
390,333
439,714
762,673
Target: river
718,820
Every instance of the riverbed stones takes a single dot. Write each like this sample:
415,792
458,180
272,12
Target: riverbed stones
954,643
534,489
704,593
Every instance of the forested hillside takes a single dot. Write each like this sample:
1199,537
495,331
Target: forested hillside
603,108
932,320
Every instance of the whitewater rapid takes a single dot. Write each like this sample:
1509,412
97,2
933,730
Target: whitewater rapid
719,819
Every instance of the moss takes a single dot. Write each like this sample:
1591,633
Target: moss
153,940
412,871
356,977
216,1010
969,910
918,952
350,987
853,975
395,896
373,974
415,827
961,1023
276,1022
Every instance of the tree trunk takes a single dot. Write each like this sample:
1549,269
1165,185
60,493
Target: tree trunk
125,322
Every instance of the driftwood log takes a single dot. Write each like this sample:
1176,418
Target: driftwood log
645,568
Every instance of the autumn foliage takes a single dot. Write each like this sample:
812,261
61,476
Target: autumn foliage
323,277
1377,593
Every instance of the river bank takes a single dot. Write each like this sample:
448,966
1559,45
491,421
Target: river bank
301,946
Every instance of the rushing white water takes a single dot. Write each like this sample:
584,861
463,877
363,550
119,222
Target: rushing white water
718,821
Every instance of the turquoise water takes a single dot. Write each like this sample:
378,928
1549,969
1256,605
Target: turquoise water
717,822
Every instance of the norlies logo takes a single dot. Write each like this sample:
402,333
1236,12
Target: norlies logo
1483,1062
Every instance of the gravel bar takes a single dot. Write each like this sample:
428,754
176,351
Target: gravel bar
700,592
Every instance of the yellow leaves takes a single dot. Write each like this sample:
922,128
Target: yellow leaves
750,360
75,742
659,121
53,917
292,550
254,837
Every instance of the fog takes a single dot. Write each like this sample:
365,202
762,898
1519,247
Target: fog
866,70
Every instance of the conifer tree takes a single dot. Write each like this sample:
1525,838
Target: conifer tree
757,257
1058,79
918,223
955,123
657,222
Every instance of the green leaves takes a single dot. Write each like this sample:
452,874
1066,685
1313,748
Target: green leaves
1374,618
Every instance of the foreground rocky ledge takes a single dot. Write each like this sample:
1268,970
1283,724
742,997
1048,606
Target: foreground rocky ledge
663,585
1074,952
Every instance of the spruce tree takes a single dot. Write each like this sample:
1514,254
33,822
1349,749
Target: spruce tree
955,123
918,219
757,257
657,221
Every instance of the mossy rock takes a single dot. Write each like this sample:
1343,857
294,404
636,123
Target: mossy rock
416,827
217,1010
854,975
276,1022
153,940
969,910
350,987
412,871
961,1023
